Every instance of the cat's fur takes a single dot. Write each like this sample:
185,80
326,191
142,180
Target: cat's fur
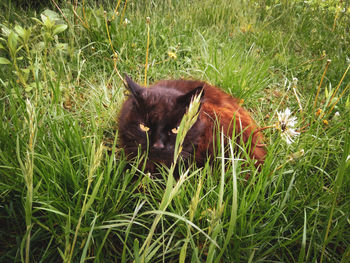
161,107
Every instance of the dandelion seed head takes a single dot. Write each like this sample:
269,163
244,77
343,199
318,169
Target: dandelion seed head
286,124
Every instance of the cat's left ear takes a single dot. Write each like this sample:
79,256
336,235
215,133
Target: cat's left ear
186,99
134,88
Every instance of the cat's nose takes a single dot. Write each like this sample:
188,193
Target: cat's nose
158,145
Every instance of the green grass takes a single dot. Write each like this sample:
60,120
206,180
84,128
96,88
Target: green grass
67,192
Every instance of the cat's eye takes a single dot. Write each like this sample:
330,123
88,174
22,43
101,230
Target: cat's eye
143,128
175,130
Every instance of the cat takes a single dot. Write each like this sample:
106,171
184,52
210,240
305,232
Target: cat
150,116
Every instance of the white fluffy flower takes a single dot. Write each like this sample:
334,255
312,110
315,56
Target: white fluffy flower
295,82
286,124
126,21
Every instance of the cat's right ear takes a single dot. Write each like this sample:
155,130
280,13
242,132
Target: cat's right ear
135,89
186,99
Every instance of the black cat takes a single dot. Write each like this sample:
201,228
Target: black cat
150,118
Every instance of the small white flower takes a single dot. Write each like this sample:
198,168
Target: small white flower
286,124
295,82
126,21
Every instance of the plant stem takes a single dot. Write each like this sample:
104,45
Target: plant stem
319,86
336,90
146,64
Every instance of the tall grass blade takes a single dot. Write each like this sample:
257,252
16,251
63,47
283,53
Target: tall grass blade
137,209
187,122
234,208
95,162
337,185
136,251
346,256
157,212
67,231
303,242
321,81
216,219
87,243
28,171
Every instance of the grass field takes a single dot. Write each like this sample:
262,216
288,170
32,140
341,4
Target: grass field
67,192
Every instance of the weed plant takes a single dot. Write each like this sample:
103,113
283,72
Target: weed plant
68,192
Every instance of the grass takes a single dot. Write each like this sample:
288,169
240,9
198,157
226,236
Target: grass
67,191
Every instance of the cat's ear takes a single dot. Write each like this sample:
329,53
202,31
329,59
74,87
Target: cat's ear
135,89
186,99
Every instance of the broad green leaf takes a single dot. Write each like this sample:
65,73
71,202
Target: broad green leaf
5,30
23,33
4,61
44,18
37,20
48,23
59,28
52,15
12,42
20,31
28,89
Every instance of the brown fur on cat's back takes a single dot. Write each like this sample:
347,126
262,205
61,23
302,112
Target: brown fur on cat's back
219,105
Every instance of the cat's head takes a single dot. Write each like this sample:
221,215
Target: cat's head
150,118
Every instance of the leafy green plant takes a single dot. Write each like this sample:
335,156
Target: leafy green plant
23,46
